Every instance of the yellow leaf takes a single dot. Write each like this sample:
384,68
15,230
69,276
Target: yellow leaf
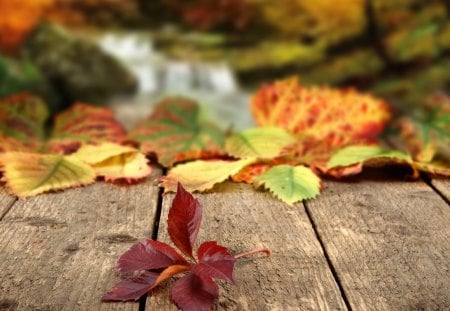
94,154
202,175
263,143
29,174
114,161
127,166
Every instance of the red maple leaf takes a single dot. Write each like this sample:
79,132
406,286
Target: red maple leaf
148,263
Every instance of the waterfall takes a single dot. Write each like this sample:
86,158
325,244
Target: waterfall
213,84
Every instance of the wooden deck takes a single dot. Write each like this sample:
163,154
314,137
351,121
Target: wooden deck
365,244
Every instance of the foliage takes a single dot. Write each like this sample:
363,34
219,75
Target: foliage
147,264
19,17
176,132
290,183
33,164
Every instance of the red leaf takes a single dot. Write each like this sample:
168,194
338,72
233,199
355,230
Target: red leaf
147,255
184,220
215,261
194,292
132,289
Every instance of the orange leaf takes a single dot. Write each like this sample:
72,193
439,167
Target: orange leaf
337,116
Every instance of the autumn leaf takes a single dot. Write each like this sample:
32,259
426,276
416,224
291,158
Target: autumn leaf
154,261
22,119
115,162
175,132
427,137
202,175
83,123
290,183
337,116
350,160
262,143
28,174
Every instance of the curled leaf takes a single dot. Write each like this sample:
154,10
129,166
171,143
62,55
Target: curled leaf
202,175
262,143
290,183
175,132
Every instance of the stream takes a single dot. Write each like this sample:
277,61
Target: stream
213,84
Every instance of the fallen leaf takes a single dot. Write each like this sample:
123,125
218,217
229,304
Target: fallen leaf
196,290
202,175
337,116
262,143
290,183
115,162
350,160
83,123
28,174
184,219
175,132
22,119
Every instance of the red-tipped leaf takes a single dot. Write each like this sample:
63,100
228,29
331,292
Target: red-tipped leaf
184,220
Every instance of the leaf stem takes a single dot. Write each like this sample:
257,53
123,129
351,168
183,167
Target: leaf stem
262,250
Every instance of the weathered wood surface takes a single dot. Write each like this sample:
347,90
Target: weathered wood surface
443,186
58,251
295,277
6,201
389,242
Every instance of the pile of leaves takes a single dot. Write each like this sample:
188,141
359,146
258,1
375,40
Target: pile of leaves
303,133
149,263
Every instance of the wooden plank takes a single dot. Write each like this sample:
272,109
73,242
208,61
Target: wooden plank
6,201
296,275
442,185
389,243
58,251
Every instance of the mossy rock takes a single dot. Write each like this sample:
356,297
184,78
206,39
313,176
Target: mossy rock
77,68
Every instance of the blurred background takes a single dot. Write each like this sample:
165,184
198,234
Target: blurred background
128,54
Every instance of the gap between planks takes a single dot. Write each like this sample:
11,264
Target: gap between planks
295,277
388,242
58,250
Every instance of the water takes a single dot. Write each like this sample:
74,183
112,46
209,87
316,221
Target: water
213,84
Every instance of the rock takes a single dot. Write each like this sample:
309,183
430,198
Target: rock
77,68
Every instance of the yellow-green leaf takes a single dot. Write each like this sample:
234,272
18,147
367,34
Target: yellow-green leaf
360,154
290,183
114,161
28,174
202,175
263,143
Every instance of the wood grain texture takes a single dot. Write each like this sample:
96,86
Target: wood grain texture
58,251
389,243
295,277
6,201
442,185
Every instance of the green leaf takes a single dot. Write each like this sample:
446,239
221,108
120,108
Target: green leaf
263,143
290,183
175,132
360,154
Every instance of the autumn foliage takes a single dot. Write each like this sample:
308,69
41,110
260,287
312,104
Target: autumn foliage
18,19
